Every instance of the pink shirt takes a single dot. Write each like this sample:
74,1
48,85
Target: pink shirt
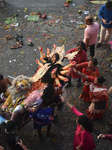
91,32
82,137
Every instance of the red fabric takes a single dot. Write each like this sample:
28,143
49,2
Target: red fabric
82,137
91,79
83,65
95,115
85,94
97,93
108,137
94,72
35,86
100,94
80,57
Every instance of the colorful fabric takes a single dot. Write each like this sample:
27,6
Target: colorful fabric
97,93
80,57
35,86
91,32
82,137
93,72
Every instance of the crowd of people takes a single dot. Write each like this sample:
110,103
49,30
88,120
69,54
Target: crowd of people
40,103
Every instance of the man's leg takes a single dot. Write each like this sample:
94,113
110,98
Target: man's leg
39,132
108,34
92,50
48,130
102,36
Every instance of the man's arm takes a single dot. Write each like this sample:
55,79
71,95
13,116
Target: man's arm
87,43
8,81
100,15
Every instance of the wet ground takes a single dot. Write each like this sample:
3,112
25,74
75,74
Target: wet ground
62,26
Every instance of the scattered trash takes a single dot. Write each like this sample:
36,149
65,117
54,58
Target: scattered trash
72,21
11,20
66,4
9,37
25,10
85,12
79,11
19,41
15,24
19,38
16,46
6,27
44,16
82,26
32,17
69,1
26,16
39,14
79,22
30,42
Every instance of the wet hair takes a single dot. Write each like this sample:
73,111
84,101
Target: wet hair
48,92
85,122
101,79
95,62
109,4
10,125
1,77
82,44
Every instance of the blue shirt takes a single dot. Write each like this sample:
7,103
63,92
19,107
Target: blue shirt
105,14
41,116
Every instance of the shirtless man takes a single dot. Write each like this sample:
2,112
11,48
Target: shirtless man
4,85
